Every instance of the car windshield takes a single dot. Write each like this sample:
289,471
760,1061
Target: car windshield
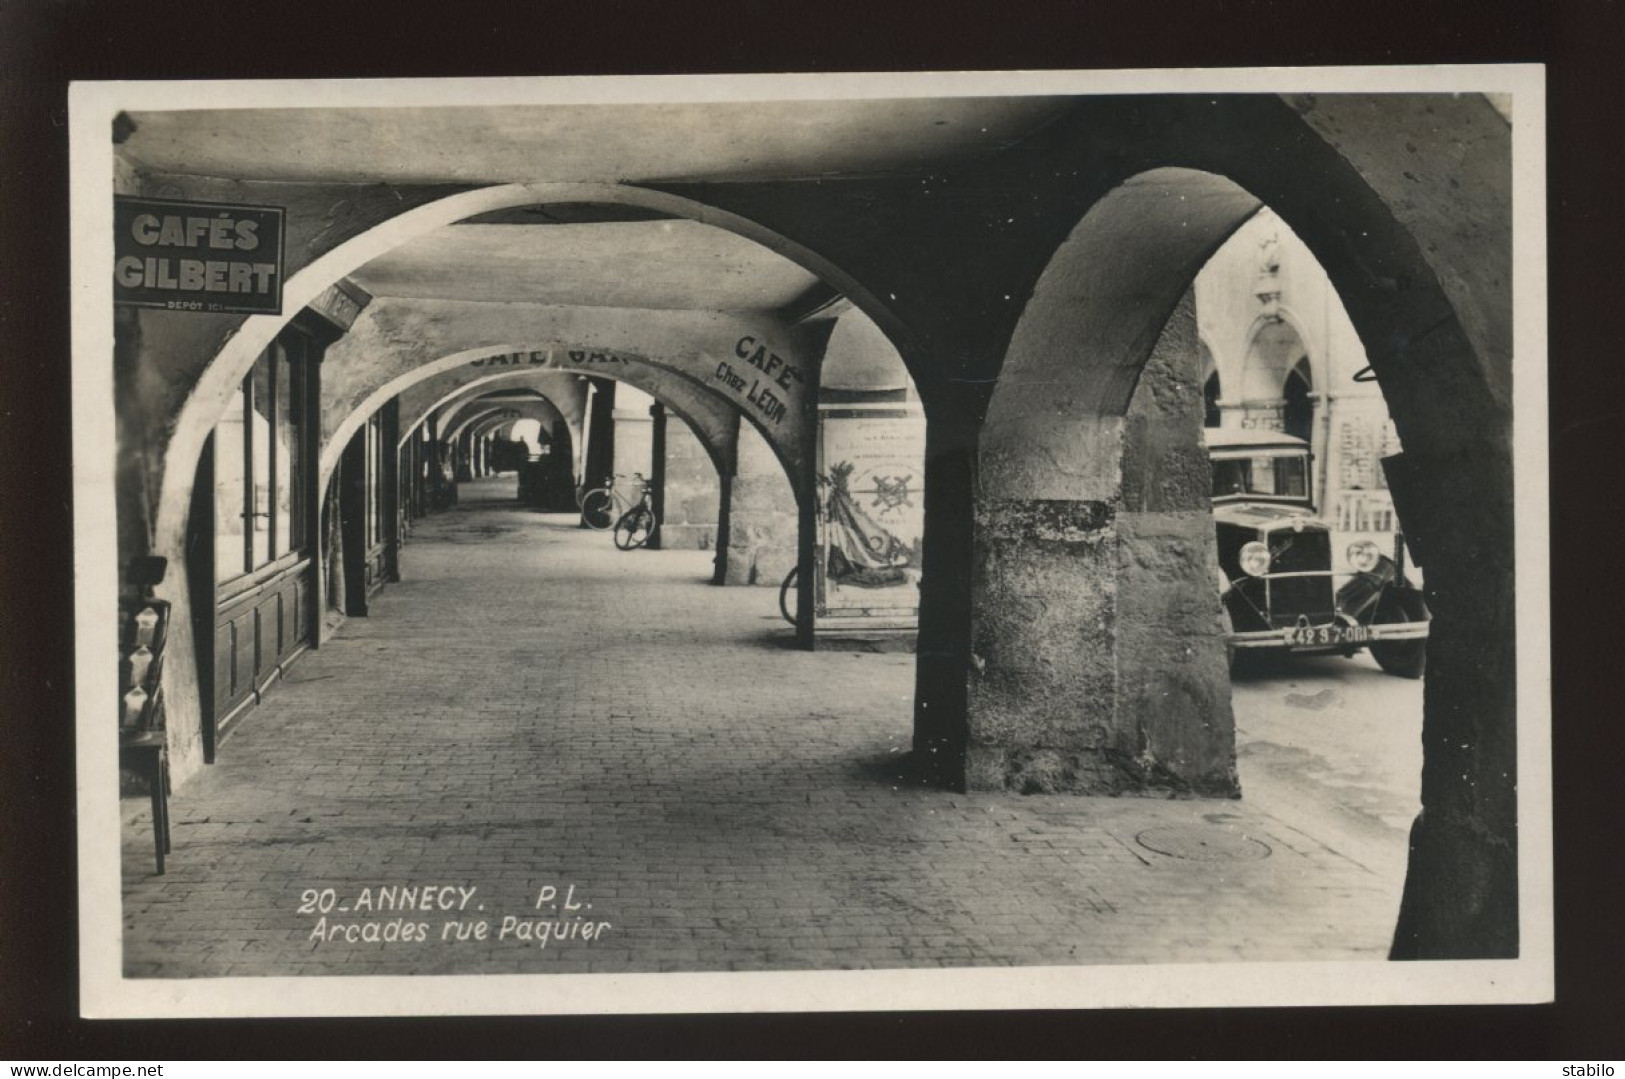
1265,475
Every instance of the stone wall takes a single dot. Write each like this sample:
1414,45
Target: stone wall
692,492
764,523
634,434
1098,656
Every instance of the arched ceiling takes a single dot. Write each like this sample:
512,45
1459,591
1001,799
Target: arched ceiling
584,255
754,140
671,265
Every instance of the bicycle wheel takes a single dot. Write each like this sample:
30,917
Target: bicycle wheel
596,507
786,590
634,528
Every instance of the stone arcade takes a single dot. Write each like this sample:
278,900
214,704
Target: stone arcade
1015,274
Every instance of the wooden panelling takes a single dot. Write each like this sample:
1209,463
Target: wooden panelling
258,626
245,653
222,665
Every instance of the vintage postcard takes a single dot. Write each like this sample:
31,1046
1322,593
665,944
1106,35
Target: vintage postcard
771,543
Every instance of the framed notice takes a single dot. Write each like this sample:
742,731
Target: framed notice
197,256
871,512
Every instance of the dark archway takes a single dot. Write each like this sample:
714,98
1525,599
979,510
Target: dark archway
1059,456
1298,402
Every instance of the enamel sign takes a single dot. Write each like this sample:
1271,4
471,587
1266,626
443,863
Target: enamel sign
197,256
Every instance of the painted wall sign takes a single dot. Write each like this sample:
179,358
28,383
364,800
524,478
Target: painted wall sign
574,357
768,388
197,256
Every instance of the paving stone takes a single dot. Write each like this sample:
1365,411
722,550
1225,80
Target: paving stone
532,708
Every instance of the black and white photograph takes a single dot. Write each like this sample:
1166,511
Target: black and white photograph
774,543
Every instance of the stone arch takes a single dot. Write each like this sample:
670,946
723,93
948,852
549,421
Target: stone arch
695,404
1058,441
211,381
1298,401
476,409
453,420
1267,334
493,422
210,390
512,412
445,396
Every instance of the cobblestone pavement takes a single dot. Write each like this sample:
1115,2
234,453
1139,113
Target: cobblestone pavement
530,709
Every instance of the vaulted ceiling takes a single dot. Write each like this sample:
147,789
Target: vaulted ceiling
591,256
581,143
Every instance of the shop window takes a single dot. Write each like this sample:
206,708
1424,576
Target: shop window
259,481
375,481
261,418
230,479
289,521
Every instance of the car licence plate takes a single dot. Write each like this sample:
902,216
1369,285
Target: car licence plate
1329,636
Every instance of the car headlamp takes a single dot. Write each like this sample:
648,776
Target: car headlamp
1255,559
1363,556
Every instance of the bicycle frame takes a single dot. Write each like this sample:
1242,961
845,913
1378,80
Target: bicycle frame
619,500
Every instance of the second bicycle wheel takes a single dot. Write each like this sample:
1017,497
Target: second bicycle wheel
634,528
786,590
596,507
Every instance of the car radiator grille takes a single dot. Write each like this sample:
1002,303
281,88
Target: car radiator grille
1300,552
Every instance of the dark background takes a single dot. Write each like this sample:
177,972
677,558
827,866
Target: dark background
46,43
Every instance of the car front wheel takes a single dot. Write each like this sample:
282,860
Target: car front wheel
1403,659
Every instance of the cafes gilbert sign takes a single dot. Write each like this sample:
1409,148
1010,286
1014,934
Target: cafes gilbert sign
197,256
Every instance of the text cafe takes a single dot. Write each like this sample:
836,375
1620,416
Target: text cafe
197,256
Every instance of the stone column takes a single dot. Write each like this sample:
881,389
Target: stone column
1461,888
463,455
719,563
1098,661
391,480
657,467
943,646
598,456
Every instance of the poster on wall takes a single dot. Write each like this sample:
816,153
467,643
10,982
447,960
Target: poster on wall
870,512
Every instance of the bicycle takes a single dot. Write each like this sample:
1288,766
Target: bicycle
637,524
602,506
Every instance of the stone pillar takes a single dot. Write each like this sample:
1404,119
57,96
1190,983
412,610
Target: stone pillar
1461,887
657,468
943,645
1098,662
763,516
463,454
559,489
391,480
719,563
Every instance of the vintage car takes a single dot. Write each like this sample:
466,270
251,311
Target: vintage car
1283,587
